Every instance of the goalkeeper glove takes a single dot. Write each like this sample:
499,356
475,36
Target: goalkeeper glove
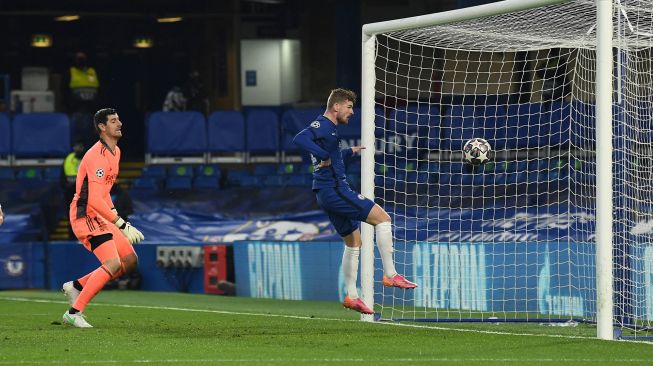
133,235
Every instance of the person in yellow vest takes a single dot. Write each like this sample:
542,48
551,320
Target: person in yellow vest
70,168
84,82
84,87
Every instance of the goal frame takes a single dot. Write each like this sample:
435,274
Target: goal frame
604,233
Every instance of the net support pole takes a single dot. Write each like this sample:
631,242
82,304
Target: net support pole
604,276
368,80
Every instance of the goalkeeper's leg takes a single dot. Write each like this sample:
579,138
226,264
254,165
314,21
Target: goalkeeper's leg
384,241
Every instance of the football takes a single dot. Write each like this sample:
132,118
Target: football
477,151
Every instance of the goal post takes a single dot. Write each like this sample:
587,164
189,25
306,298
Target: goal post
528,236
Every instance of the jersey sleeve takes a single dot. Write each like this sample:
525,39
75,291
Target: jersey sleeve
346,153
306,139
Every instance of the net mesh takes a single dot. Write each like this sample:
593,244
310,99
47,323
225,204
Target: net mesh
514,239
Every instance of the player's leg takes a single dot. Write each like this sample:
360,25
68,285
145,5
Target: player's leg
384,241
350,260
105,250
128,258
342,211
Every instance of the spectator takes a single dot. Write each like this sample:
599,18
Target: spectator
70,168
175,100
84,85
194,93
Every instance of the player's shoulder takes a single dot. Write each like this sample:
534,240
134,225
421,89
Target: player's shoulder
320,123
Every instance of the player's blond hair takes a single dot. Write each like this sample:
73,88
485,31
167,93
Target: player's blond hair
340,95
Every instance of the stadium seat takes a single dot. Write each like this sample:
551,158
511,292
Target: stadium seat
523,128
180,171
287,169
299,180
30,174
53,173
265,169
293,121
175,137
273,180
40,138
263,136
6,174
146,183
154,171
557,117
5,139
179,183
206,182
208,171
226,137
459,125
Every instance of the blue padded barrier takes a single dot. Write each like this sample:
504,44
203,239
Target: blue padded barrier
30,174
226,132
262,132
293,121
176,133
53,173
41,135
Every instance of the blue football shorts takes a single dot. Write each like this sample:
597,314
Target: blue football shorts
345,208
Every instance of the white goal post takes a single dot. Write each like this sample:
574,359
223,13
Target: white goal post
453,48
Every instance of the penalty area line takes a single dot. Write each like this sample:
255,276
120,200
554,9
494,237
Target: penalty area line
300,317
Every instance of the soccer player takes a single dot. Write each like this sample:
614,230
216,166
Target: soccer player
345,207
95,221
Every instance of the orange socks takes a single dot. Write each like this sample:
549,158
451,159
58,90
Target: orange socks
94,284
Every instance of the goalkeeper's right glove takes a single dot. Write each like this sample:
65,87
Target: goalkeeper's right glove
133,235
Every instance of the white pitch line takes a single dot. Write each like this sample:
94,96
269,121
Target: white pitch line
309,360
416,326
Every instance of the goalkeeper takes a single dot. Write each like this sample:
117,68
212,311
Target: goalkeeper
345,207
94,220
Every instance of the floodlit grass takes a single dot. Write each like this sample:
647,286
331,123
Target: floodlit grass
182,329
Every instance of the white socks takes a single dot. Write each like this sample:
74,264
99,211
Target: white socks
385,244
350,270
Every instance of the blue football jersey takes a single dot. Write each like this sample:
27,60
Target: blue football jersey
321,140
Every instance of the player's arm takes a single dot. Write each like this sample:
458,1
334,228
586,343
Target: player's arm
305,139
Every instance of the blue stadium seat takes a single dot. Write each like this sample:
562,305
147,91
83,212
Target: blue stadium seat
523,128
299,180
206,182
53,173
226,136
287,169
273,180
459,125
146,183
208,171
41,135
154,171
179,183
293,121
558,118
6,174
5,138
263,136
265,169
176,136
489,119
29,174
180,171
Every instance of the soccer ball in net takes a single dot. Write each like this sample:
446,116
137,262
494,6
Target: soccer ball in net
477,151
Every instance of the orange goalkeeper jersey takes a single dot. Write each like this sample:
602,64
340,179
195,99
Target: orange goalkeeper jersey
98,170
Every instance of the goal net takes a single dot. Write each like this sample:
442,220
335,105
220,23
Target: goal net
514,239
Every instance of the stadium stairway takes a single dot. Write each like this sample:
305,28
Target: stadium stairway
129,171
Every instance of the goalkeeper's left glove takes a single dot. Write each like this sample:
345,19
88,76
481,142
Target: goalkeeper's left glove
133,235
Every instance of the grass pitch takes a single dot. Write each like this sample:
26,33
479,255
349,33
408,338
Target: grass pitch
182,329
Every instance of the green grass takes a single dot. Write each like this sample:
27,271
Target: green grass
181,329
